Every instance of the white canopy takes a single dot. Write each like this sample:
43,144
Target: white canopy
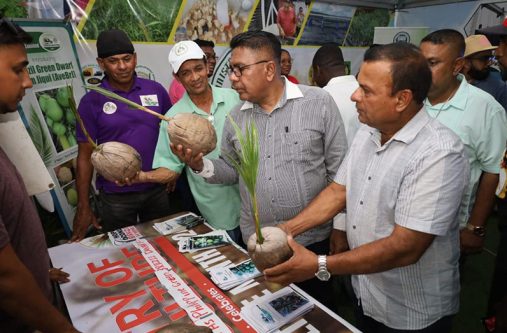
397,4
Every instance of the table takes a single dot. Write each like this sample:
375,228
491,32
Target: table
116,289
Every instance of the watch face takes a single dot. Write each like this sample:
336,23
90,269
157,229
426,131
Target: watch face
323,275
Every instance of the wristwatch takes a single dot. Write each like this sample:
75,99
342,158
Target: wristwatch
479,231
322,273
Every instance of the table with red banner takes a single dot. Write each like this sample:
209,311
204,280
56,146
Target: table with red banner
148,284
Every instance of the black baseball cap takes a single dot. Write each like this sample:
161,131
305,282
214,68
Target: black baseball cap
113,42
495,32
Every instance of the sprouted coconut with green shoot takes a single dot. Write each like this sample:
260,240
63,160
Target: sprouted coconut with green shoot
186,129
113,160
267,246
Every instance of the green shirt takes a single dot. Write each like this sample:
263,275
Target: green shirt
480,121
219,204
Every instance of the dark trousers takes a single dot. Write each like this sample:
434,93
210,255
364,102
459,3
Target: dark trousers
369,325
498,289
118,210
320,290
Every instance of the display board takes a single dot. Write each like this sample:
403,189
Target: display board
53,64
116,289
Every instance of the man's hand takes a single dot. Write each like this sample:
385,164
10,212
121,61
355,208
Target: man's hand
338,242
83,219
300,267
469,242
57,275
285,228
186,156
140,177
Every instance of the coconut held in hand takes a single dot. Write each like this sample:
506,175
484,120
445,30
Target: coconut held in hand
116,161
273,251
192,132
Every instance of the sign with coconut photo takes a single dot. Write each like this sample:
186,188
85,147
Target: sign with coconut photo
53,64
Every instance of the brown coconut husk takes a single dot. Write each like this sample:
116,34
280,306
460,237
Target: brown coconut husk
192,132
273,251
116,161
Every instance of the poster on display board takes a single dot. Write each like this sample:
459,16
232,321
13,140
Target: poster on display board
53,64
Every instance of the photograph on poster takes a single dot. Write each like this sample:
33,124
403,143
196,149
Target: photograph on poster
142,20
327,23
363,25
66,172
60,120
71,194
283,18
214,20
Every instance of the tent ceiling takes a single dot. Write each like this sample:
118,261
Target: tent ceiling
395,4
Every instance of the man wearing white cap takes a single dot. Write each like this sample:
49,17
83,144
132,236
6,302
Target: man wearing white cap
219,204
476,68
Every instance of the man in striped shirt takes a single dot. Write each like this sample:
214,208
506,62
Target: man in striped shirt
302,143
402,184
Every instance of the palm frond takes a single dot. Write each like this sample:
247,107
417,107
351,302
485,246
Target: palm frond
247,164
39,138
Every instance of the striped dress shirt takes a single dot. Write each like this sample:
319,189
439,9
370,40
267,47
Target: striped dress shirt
302,143
415,180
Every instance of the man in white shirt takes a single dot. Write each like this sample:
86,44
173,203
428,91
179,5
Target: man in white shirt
330,73
402,183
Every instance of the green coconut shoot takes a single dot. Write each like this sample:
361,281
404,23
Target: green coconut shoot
247,164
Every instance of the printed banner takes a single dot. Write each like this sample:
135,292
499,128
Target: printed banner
149,284
53,64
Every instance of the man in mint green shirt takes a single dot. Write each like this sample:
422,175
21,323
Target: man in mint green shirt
218,203
477,118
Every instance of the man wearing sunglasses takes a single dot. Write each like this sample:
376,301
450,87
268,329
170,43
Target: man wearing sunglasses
302,143
25,290
477,68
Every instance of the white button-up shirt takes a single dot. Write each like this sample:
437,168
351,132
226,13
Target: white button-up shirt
415,180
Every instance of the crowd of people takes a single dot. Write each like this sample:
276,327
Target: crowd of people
388,177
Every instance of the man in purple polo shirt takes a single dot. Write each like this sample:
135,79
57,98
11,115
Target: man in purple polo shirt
109,120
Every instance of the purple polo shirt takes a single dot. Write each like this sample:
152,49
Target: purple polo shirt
109,120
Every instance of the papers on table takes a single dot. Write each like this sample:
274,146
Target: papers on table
205,241
178,224
229,277
270,312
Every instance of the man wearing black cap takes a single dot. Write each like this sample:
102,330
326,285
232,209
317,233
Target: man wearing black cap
108,120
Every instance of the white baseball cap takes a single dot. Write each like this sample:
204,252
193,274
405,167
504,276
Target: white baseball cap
183,51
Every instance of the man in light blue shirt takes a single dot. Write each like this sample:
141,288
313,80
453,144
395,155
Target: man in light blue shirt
218,203
479,121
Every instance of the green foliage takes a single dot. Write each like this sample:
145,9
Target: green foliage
247,164
13,8
142,20
363,26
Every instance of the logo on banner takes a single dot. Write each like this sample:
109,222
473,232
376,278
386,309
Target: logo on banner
149,100
49,42
220,77
109,108
401,36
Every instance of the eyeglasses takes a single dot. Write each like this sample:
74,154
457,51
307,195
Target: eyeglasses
484,58
9,25
238,70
